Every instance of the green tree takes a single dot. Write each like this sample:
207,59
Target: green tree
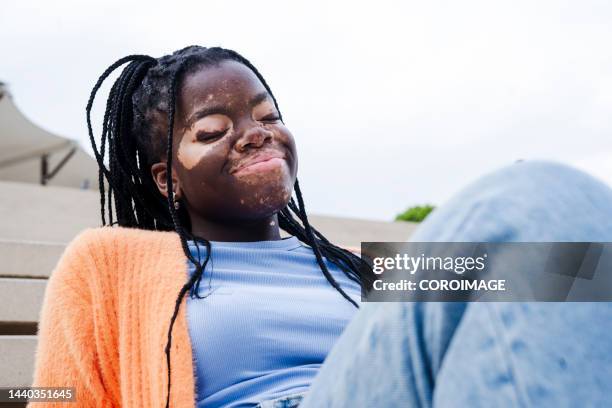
416,213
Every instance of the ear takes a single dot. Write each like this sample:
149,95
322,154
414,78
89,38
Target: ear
158,171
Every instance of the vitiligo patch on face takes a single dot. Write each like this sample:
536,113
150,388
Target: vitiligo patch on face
265,204
190,153
270,189
264,176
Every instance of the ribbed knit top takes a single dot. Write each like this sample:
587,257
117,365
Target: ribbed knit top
266,323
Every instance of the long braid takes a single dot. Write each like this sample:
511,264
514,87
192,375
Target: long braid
102,170
353,266
133,136
177,224
315,246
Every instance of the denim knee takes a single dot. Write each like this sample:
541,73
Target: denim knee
523,202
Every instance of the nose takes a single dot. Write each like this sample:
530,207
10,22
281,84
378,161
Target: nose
254,137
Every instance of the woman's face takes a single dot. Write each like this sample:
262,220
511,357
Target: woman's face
233,157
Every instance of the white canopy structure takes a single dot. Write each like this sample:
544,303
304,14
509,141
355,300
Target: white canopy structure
30,154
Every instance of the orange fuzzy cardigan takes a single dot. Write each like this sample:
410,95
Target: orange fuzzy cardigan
105,318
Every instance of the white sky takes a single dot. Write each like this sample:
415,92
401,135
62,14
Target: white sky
392,103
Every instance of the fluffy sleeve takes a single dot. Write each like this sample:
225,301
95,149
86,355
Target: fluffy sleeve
66,354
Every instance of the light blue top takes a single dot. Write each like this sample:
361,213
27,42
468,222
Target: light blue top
269,320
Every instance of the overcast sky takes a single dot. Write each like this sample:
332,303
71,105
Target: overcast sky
392,103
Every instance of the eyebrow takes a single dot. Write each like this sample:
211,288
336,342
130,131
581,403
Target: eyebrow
213,109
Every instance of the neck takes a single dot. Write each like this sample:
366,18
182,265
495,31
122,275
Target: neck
265,229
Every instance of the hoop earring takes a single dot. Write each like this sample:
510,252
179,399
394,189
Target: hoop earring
177,204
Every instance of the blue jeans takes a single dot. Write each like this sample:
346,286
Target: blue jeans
486,354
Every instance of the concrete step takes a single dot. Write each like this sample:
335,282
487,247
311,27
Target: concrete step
350,232
33,213
16,360
30,212
21,300
28,259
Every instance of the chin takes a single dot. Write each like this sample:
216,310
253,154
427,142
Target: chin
266,202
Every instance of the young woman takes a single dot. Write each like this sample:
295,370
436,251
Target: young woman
197,145
202,167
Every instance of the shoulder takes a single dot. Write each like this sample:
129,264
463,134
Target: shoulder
118,238
102,247
98,257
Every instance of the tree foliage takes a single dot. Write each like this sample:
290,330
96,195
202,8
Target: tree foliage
416,213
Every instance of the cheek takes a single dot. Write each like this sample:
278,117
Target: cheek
201,166
289,141
190,154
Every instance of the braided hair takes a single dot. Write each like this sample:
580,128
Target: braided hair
137,131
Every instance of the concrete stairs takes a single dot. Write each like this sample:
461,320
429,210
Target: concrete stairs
37,222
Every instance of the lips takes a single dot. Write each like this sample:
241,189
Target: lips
257,158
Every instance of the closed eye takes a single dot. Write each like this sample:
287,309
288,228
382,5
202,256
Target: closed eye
270,118
210,136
